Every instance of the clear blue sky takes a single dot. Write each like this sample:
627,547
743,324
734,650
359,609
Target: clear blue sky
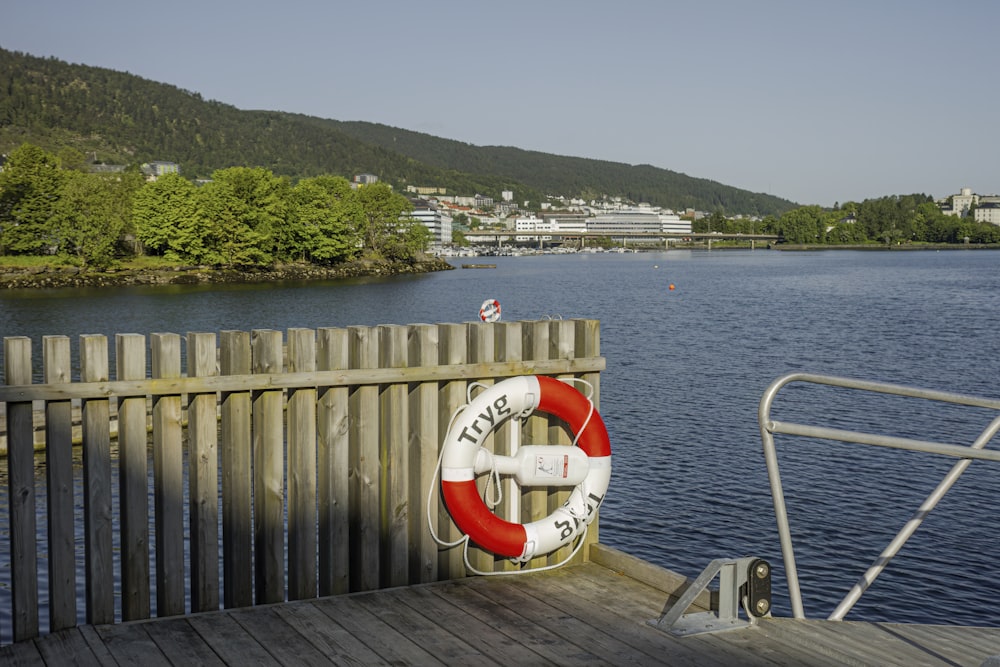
817,102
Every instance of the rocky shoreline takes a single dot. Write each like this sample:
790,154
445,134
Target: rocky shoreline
56,277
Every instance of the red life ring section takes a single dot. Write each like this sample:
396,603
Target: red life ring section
514,397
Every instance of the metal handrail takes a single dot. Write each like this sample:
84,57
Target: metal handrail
768,427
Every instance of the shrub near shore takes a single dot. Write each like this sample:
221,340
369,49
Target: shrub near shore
47,276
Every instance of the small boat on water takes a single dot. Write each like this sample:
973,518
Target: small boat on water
479,266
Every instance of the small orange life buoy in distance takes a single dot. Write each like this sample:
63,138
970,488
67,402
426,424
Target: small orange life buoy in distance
586,466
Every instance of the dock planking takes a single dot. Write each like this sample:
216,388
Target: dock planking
593,613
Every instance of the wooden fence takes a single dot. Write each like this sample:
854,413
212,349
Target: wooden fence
303,465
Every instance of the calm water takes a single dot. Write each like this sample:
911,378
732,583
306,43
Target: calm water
686,370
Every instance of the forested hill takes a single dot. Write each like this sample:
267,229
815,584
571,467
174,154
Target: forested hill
557,174
114,117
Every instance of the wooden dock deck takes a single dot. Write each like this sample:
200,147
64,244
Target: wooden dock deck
595,613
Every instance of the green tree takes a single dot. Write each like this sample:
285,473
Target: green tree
167,223
243,209
91,218
411,238
806,224
324,210
381,210
30,188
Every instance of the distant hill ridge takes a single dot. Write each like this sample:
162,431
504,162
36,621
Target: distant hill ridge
116,117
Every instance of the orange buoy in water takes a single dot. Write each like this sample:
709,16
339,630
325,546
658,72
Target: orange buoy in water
671,288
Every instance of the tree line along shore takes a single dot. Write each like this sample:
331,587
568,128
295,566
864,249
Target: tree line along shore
69,276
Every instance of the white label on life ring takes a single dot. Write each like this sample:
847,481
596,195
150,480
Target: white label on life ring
552,466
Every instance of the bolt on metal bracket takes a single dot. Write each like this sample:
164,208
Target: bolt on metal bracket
742,582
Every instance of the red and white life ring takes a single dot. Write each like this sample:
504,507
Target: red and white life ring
490,311
513,397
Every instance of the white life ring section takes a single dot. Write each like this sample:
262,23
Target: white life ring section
511,398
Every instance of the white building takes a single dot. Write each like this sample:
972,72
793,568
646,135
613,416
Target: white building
434,218
567,223
533,229
637,221
961,203
988,210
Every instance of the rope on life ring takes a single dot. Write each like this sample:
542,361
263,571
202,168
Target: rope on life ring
586,466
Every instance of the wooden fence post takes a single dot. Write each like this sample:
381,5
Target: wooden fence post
268,476
453,350
333,462
394,420
97,484
365,469
237,479
203,476
424,443
133,480
561,346
21,492
301,469
480,343
59,477
508,341
168,478
588,344
535,501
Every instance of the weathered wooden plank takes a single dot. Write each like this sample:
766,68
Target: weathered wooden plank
480,344
181,643
268,457
57,368
339,645
230,640
288,646
394,420
550,646
604,643
95,414
365,470
381,637
21,493
488,638
424,444
132,645
333,462
453,350
534,501
562,345
586,600
588,342
636,604
94,643
68,647
339,378
203,476
22,654
168,478
839,643
508,341
452,646
133,480
961,645
237,479
302,515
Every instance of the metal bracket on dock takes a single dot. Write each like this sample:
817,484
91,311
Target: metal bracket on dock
743,582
